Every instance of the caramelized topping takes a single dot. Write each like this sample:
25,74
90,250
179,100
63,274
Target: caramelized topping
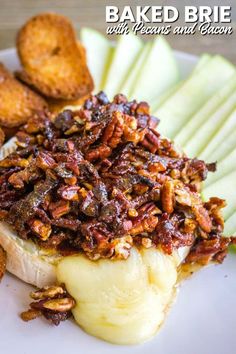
101,179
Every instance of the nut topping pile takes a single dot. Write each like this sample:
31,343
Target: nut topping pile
54,303
101,179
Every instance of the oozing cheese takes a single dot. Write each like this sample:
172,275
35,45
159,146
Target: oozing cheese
123,301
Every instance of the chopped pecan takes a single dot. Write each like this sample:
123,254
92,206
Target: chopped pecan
29,174
47,292
40,229
30,315
182,195
168,197
146,220
69,192
14,161
71,224
151,141
45,161
54,303
201,214
102,151
121,247
206,250
59,305
214,206
114,130
143,108
59,208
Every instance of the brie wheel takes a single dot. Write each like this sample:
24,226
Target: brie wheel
120,301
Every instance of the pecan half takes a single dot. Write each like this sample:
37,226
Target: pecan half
54,303
47,292
167,197
59,305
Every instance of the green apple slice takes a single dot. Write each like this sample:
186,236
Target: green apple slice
224,188
203,60
128,85
224,167
198,119
195,92
159,73
230,225
126,52
158,102
163,97
210,127
98,51
223,133
225,147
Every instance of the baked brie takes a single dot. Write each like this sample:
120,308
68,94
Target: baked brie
97,200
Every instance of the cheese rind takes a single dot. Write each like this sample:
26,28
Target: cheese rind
25,259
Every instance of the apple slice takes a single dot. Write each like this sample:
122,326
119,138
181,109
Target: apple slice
203,60
128,85
210,127
224,167
198,119
224,188
126,52
194,93
98,51
161,99
223,133
225,147
159,73
230,225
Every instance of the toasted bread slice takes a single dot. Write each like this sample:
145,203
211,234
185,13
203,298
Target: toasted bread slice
9,132
2,137
3,259
17,101
52,61
56,106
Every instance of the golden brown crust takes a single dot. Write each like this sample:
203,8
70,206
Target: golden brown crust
17,102
3,259
56,106
2,137
52,61
9,132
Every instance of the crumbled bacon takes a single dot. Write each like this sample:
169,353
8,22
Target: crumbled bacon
102,179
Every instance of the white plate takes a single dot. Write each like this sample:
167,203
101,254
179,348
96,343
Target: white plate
202,321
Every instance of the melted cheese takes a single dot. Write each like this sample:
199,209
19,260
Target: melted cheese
123,301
